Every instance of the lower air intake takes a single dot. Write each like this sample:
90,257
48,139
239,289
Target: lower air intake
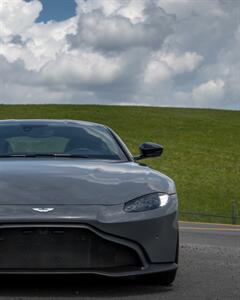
61,248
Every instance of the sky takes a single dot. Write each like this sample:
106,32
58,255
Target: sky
56,10
182,53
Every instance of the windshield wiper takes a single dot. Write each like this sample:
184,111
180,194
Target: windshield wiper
46,155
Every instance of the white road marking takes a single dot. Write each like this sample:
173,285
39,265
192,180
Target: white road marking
209,228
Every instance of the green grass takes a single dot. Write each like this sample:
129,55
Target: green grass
202,147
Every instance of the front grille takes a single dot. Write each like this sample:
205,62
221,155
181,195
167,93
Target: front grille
61,248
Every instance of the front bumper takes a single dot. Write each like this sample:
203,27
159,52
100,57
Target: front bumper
151,235
21,253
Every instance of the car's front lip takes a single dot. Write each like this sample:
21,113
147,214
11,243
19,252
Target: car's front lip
123,272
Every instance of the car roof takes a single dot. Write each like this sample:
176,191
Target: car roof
49,122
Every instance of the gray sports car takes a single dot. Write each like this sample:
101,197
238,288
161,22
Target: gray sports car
73,199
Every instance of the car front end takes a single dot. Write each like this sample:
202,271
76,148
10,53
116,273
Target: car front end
68,214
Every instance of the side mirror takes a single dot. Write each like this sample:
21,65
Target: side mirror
149,150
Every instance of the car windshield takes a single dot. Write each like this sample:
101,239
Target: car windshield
85,141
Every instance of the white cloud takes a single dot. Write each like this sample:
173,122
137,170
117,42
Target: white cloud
118,29
80,68
188,8
165,65
209,92
156,52
39,44
10,21
131,9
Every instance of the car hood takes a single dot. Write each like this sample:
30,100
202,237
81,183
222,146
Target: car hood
76,181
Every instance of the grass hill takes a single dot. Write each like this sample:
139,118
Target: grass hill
202,147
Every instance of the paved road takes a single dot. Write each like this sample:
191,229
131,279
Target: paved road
209,269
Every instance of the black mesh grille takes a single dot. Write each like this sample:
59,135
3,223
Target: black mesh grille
61,248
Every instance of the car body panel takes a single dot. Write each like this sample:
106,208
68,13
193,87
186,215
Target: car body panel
47,181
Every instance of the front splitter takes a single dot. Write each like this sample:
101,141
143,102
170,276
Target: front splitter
117,272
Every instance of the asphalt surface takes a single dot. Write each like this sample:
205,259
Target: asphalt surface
209,269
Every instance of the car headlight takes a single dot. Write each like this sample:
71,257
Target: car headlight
147,202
